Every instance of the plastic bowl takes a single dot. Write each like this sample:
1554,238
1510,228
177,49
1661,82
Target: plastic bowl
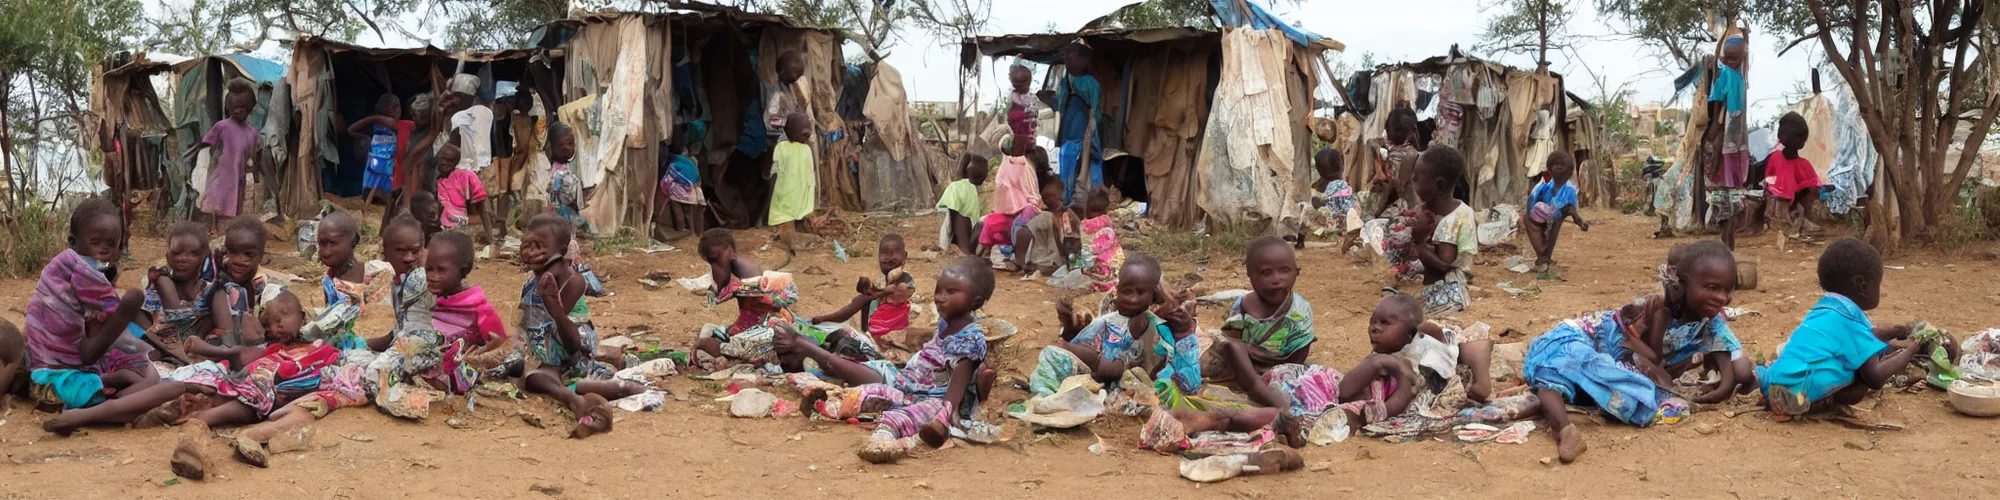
1978,400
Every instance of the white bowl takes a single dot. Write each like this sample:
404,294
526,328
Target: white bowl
1979,400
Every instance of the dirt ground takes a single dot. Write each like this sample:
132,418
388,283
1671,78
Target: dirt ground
693,449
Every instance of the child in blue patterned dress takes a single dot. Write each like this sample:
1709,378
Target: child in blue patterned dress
558,347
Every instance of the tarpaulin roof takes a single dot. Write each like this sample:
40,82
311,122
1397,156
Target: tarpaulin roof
1047,47
1248,13
260,70
474,55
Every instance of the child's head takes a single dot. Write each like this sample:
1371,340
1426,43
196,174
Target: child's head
95,230
421,107
974,167
388,105
1734,52
963,287
1402,126
1076,61
1439,172
463,92
447,155
717,246
425,208
449,262
1328,163
1793,132
562,143
1138,285
1052,192
187,248
1561,167
889,253
242,96
282,318
338,234
798,128
1394,323
791,66
1852,269
403,244
545,241
1704,277
1038,157
1272,267
1018,75
243,249
1098,203
1018,144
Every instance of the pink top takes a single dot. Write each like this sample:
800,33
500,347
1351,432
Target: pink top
233,143
456,191
1783,177
1014,188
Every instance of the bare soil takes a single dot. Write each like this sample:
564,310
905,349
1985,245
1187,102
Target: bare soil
692,449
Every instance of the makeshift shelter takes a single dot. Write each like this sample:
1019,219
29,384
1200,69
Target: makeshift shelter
1505,121
126,108
1163,97
696,79
332,84
199,86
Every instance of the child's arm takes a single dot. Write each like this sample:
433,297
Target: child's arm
1887,363
359,129
169,292
962,374
853,307
560,299
379,344
1723,387
201,348
1438,256
103,334
961,230
1573,215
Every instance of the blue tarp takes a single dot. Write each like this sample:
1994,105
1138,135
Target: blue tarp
1258,18
260,70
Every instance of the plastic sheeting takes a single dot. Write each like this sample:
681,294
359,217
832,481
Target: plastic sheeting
1248,166
1852,170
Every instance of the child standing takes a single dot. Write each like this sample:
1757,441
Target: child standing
1837,355
1397,153
1792,183
236,144
940,388
686,205
1437,241
565,187
794,182
76,323
381,132
557,336
884,305
1551,201
1077,98
1726,143
961,204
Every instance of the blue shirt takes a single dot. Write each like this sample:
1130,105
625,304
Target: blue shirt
1729,88
1557,198
1077,95
1825,351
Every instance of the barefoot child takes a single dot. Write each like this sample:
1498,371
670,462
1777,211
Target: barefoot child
1162,346
1613,359
235,142
557,336
172,292
1837,355
1334,198
1686,324
763,299
884,304
346,283
1269,327
77,349
1551,201
1790,180
1105,254
380,131
1038,233
1726,142
565,187
939,389
794,182
1439,239
1389,189
961,204
442,324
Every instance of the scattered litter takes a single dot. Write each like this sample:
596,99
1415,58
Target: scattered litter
1731,313
814,271
647,401
364,438
646,372
618,343
839,252
1480,433
649,285
1530,291
1076,402
1517,264
755,403
171,481
547,489
1898,268
697,284
658,248
1097,448
1223,298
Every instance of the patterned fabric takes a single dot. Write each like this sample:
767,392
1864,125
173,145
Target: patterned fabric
762,302
1103,254
342,292
1278,336
928,374
1330,217
240,302
1572,360
71,293
282,373
1686,339
683,182
540,339
178,323
1730,88
381,159
566,193
1315,389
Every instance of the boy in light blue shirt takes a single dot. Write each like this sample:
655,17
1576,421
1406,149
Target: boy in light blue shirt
1837,355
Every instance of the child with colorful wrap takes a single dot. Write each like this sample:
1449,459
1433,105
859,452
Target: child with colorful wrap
173,291
78,353
1148,330
557,338
884,303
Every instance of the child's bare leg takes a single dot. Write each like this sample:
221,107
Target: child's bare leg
1226,420
190,457
285,431
1549,236
610,389
116,411
709,346
1347,239
835,366
283,420
1746,374
545,382
1477,357
1569,441
1536,234
231,414
1248,379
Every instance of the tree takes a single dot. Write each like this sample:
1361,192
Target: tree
1676,28
47,50
1915,75
499,24
1528,27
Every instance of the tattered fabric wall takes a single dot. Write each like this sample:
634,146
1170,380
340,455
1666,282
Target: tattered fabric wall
310,78
1169,104
1252,169
618,65
124,100
897,170
833,149
1506,126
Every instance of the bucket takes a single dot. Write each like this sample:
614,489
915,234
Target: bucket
1746,275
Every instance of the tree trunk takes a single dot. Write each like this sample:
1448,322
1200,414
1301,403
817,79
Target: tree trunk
1542,30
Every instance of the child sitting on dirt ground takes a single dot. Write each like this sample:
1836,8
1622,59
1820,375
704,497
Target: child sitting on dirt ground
1688,340
1038,233
1332,199
1790,181
442,326
884,305
346,283
173,291
1616,359
77,347
1162,346
1552,200
961,204
556,333
1015,190
763,299
1438,240
1100,235
13,364
936,394
1269,327
1837,356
